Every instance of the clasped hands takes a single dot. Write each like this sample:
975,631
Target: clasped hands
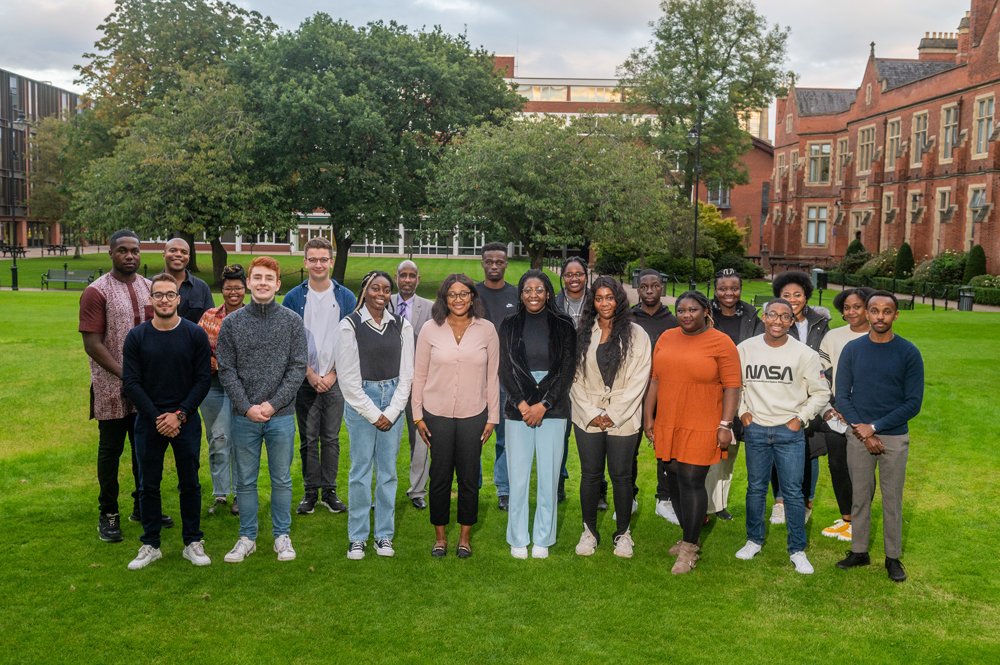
260,413
866,433
531,415
168,424
602,421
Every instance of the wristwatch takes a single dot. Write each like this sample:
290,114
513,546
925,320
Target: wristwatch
181,416
545,403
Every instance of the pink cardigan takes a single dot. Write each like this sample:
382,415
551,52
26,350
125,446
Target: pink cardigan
457,380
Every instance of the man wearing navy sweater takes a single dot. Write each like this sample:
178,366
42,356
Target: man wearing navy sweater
166,372
880,387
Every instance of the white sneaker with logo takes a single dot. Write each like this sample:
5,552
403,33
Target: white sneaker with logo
802,564
748,551
284,549
147,555
195,553
665,509
244,547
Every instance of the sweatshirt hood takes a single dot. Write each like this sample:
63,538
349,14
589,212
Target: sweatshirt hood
816,314
663,312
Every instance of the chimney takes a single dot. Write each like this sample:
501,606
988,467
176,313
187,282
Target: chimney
938,46
979,17
962,55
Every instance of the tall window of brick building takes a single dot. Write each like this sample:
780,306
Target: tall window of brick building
887,202
816,217
949,131
842,157
819,163
977,199
14,97
794,162
893,130
866,149
718,195
984,125
919,136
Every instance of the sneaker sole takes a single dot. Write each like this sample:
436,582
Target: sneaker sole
385,553
586,552
286,558
196,562
331,509
146,563
228,560
107,539
844,538
623,555
355,557
299,511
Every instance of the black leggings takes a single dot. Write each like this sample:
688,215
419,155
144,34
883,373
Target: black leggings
456,448
836,450
689,496
619,451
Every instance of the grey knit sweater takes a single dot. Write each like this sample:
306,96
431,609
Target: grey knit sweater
262,354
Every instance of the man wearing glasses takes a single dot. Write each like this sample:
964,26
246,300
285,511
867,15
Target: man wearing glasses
783,389
166,372
499,301
319,404
417,311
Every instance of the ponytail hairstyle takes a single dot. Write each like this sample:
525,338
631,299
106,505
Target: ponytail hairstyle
702,300
366,282
620,339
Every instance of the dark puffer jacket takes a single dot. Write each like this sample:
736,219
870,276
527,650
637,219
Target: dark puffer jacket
819,326
750,324
515,377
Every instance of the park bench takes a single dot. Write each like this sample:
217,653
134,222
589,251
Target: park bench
61,249
13,251
67,276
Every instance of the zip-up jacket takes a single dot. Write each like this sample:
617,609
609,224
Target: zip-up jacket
819,325
295,299
515,377
750,324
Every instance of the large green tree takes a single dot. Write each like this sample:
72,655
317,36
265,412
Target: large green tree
716,57
185,165
357,117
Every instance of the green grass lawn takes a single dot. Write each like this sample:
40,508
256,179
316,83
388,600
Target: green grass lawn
68,598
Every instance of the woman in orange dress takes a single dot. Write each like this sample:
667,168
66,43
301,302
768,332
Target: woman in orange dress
693,395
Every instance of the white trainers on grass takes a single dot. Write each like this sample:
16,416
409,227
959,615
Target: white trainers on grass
283,547
539,552
147,555
195,553
519,552
244,547
587,544
802,564
778,514
624,545
748,551
665,509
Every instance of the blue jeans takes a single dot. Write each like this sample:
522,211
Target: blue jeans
785,450
217,413
278,434
372,447
524,444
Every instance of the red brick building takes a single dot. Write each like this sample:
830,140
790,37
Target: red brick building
909,156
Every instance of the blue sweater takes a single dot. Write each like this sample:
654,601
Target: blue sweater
880,384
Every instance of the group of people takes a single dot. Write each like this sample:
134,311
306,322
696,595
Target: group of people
520,362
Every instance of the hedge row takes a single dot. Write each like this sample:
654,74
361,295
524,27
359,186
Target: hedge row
983,296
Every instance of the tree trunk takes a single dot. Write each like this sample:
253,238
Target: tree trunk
537,255
189,238
642,260
340,262
219,259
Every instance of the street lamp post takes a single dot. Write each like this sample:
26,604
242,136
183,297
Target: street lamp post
19,124
694,140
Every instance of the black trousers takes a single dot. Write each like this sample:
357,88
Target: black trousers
456,450
109,451
150,449
619,451
840,477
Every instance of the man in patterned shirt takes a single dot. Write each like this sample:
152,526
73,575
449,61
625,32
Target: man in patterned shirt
109,308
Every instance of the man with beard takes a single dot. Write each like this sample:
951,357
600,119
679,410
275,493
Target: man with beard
166,372
196,296
109,308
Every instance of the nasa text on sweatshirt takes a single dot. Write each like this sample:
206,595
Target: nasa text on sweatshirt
782,383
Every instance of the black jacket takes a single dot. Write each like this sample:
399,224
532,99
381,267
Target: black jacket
515,377
654,324
750,324
819,326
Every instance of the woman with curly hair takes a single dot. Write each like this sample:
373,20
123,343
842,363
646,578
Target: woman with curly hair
693,395
612,370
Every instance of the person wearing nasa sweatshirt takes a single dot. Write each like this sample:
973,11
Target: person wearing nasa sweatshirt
783,389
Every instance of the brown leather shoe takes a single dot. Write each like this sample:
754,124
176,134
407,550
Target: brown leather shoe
676,549
686,560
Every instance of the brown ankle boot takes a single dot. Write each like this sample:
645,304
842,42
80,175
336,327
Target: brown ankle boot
676,549
685,559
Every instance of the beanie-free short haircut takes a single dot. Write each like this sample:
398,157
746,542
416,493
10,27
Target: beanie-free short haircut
494,247
319,243
163,277
266,262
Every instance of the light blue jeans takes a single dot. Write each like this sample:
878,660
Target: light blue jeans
523,444
217,413
371,447
278,434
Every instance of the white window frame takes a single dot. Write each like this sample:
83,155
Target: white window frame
818,221
892,142
866,149
843,154
818,159
949,132
983,124
916,147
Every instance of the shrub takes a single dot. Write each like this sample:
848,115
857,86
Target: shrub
853,261
975,265
948,267
746,269
985,281
880,265
988,297
856,247
922,273
611,260
904,261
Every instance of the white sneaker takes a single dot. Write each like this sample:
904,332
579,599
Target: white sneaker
356,550
802,564
778,514
809,513
147,555
624,545
195,553
587,544
748,551
244,547
539,552
383,547
635,507
283,546
665,509
519,552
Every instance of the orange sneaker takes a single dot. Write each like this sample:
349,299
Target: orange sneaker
838,528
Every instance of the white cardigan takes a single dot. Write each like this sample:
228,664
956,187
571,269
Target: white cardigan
623,401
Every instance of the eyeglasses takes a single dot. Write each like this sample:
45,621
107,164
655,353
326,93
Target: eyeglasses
169,296
461,295
234,289
540,291
498,263
574,275
774,316
321,261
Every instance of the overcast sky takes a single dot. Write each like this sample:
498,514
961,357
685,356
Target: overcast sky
43,39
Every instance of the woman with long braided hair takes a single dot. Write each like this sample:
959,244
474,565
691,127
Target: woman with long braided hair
693,395
612,370
375,371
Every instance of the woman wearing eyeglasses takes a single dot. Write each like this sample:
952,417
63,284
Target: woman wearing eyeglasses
215,409
456,403
537,365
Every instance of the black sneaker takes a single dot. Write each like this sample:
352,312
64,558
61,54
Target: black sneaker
896,571
308,504
166,522
109,528
332,502
234,509
855,559
503,502
602,502
724,515
356,550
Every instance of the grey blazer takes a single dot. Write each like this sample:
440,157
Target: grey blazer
420,315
